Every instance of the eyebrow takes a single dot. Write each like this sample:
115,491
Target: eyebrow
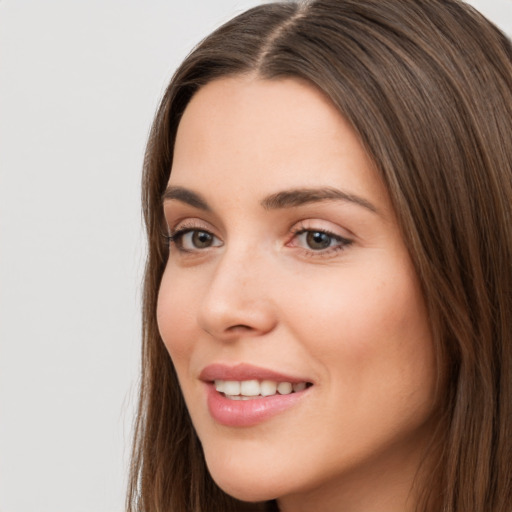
299,196
187,196
285,199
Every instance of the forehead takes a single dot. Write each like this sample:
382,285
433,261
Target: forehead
261,136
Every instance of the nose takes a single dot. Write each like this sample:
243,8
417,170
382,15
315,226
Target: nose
238,302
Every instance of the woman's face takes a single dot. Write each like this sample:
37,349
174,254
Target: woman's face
287,272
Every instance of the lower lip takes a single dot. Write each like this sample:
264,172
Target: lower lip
246,413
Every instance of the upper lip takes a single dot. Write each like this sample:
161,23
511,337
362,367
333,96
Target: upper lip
244,371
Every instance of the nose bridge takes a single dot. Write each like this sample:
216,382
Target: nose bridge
238,297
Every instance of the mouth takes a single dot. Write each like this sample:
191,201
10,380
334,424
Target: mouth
256,389
245,395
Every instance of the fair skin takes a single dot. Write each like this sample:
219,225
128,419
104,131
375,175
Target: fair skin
317,287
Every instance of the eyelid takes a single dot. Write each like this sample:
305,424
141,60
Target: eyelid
175,213
183,223
324,226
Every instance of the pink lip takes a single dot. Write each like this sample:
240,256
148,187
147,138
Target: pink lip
244,371
246,413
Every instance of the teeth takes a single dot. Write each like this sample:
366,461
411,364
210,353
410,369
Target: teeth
299,386
231,387
248,389
268,388
284,388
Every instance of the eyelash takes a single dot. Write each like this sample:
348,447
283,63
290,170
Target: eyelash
175,238
342,242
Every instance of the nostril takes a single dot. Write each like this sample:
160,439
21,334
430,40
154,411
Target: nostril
239,327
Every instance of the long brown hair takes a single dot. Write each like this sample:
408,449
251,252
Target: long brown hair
427,86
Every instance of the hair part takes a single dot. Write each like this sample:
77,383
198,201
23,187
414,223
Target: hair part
427,86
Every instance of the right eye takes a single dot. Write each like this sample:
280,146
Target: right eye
192,240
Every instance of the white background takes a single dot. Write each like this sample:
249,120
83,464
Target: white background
79,84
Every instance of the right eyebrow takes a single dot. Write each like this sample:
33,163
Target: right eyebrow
186,196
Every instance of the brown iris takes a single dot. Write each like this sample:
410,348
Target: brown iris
202,239
318,240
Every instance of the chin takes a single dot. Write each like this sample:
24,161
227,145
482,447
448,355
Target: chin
244,484
245,491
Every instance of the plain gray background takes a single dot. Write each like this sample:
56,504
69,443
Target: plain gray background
79,84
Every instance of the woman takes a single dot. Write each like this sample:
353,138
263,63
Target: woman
327,193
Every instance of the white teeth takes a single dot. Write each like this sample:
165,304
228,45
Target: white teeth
248,389
284,388
231,387
268,388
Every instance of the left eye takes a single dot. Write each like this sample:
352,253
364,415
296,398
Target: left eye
316,240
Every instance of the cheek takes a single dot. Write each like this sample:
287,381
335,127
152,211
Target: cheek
175,315
366,308
369,332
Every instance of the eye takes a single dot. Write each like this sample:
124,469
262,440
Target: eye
189,240
319,241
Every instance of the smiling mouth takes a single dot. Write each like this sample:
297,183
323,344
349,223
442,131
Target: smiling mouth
255,389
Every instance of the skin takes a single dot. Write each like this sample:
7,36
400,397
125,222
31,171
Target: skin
349,318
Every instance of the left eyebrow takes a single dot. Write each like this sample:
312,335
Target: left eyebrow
300,196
